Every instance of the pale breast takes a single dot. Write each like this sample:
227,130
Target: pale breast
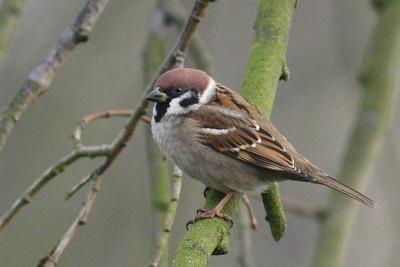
178,141
166,133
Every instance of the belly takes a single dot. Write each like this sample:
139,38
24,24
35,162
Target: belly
222,173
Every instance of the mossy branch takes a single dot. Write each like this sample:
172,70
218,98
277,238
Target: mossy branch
207,237
265,67
377,79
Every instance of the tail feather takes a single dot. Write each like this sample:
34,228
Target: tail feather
341,187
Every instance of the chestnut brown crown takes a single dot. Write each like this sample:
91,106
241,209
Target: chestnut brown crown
183,77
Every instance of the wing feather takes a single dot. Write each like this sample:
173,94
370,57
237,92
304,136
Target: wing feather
241,137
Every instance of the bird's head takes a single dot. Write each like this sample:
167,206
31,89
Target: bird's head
180,91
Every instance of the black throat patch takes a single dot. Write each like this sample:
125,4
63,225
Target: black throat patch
161,109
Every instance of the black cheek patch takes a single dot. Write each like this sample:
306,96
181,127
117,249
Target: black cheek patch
193,99
161,109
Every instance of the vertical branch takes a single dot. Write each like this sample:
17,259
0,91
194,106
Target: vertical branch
169,218
153,55
10,12
245,246
265,67
377,79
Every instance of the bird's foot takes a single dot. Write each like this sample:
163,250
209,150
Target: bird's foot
208,214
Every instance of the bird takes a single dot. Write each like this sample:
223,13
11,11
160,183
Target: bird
219,138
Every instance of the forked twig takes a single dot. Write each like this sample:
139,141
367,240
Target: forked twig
48,175
52,259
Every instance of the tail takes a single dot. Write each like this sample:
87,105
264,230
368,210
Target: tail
335,184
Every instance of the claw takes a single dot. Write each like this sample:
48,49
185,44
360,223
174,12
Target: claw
189,223
215,212
201,210
206,191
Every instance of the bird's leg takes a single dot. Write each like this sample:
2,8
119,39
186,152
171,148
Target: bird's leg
215,212
250,211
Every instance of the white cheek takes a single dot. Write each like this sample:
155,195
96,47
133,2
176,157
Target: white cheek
175,108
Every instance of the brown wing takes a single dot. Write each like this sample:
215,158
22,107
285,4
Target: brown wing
240,136
238,130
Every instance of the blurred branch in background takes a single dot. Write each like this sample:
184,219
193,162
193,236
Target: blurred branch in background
303,209
169,218
42,76
377,79
174,59
153,55
394,158
10,12
265,67
245,256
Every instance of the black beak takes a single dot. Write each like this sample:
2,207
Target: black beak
156,96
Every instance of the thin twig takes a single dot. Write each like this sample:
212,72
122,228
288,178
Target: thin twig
41,77
77,137
175,58
168,218
53,258
77,134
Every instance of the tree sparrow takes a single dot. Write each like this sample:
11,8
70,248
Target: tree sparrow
217,137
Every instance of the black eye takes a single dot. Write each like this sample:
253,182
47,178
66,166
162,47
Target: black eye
177,90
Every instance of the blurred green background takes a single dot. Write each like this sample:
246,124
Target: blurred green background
314,109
